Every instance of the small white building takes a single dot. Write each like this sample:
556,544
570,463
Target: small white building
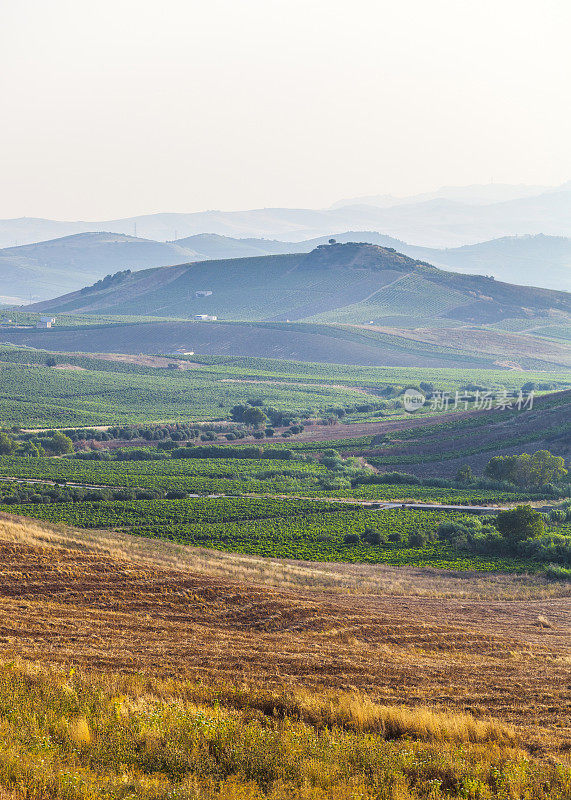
204,318
203,293
6,321
45,322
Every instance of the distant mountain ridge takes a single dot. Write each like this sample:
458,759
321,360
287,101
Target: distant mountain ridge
463,216
61,265
477,194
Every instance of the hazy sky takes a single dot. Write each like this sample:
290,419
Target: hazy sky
120,107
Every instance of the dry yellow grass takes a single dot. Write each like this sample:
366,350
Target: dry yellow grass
358,712
145,738
378,579
389,659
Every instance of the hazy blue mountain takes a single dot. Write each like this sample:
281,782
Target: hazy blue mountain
477,194
440,221
38,271
529,260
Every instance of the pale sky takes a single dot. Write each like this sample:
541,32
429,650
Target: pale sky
112,108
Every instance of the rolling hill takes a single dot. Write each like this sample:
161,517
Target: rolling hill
440,448
348,303
40,271
279,340
352,283
62,265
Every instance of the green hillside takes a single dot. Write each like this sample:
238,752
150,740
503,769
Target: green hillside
43,269
353,283
96,390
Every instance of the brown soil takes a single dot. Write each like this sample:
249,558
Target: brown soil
475,339
142,360
107,612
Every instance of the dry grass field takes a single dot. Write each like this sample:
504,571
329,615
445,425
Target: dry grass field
488,645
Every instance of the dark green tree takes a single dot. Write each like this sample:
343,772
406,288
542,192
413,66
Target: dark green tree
60,444
519,524
465,474
7,444
527,470
254,416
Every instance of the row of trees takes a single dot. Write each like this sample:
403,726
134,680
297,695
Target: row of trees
56,444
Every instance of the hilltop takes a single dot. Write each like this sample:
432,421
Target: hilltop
355,283
40,271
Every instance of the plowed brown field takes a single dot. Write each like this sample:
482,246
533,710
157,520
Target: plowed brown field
78,606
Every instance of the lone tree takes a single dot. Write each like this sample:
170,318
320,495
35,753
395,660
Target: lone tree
519,524
60,444
464,474
7,444
249,415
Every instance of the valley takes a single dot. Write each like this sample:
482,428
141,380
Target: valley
285,400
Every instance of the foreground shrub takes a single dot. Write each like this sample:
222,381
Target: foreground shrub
82,737
520,523
552,547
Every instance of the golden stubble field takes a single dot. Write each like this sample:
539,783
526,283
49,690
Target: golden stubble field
484,644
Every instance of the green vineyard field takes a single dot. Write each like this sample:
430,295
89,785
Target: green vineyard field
277,528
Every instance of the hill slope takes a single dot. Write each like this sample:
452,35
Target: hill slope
64,265
352,283
439,449
293,341
41,271
528,260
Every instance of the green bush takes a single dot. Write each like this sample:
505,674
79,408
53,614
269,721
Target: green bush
373,536
519,524
555,572
554,547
